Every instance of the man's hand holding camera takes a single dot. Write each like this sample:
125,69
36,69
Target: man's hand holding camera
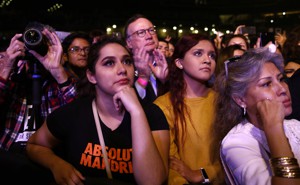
52,60
15,49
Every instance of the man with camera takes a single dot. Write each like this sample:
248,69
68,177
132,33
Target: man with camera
30,89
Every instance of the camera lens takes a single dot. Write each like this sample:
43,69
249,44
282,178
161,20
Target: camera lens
32,37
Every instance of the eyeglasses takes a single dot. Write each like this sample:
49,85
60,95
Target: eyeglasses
78,50
142,32
233,59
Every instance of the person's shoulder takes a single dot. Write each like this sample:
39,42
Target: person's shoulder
80,101
76,105
151,108
156,117
212,93
241,133
163,99
292,126
210,96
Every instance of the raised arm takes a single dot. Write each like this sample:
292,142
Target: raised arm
272,115
15,49
52,61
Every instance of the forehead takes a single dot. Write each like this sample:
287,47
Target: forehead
237,40
269,69
140,23
79,42
292,65
112,50
162,43
204,45
238,52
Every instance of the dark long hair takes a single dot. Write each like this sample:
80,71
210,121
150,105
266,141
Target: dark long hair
177,85
84,87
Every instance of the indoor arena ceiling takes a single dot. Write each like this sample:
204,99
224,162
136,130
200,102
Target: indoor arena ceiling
90,14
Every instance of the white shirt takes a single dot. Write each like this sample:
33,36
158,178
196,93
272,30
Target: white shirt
142,91
245,152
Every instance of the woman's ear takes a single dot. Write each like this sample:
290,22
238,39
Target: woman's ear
239,100
178,63
91,77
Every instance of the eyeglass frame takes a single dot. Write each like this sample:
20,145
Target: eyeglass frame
232,59
79,49
143,32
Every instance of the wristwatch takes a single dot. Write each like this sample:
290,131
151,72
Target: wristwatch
205,176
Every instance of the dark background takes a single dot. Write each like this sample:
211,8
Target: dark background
93,14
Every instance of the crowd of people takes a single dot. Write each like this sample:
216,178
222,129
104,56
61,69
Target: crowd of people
139,109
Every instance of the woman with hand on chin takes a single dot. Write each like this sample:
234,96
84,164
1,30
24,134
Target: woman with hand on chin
130,150
258,146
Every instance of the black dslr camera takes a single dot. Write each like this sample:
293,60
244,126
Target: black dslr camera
34,39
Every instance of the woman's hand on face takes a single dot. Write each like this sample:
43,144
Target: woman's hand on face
271,112
126,98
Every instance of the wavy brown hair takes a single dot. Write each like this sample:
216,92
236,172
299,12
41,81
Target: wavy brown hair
177,85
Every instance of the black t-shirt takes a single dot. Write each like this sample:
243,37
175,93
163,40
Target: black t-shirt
74,125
